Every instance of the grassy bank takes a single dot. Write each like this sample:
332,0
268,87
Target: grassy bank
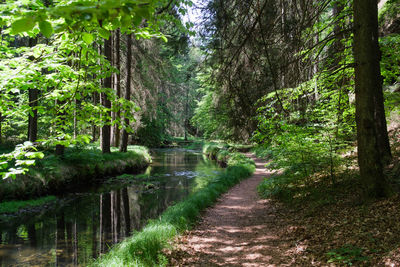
76,169
144,248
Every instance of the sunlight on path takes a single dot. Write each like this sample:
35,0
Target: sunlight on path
240,230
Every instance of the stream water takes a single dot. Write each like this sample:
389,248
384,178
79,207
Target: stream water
81,226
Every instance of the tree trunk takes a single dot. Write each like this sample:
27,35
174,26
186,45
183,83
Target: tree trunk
33,117
124,141
118,84
33,98
381,127
94,128
368,87
106,129
1,122
115,133
113,114
186,112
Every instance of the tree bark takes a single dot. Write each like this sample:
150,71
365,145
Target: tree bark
1,134
33,117
113,83
125,134
118,84
115,132
94,128
368,87
106,129
33,98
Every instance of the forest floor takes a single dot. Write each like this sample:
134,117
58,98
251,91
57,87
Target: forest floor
333,229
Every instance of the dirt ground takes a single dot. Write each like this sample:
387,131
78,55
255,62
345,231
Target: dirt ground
331,228
240,230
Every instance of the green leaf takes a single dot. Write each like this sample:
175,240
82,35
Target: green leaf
46,28
143,12
104,33
87,38
3,165
22,25
24,162
7,175
28,143
164,38
137,20
126,21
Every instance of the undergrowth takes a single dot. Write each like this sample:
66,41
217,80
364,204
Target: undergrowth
144,248
320,187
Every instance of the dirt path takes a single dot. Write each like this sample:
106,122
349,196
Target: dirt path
240,230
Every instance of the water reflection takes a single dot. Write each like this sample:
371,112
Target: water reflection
85,225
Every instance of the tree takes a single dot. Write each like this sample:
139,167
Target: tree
125,133
33,99
115,132
106,129
370,118
61,74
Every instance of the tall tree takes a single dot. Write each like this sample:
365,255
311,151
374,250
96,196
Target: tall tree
125,134
32,98
371,130
115,132
106,129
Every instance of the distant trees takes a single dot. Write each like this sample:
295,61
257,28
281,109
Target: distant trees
67,81
282,74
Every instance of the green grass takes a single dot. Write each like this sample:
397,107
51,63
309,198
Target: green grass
14,206
78,166
145,248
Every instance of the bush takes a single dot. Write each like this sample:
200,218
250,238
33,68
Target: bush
299,152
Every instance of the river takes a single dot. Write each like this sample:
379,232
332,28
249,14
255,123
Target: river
81,226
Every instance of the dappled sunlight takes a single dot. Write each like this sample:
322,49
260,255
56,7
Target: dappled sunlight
239,230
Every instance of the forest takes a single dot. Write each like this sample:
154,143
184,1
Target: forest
123,121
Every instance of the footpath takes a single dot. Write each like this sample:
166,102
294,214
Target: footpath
239,230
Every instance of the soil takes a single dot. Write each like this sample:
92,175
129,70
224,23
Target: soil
240,230
330,228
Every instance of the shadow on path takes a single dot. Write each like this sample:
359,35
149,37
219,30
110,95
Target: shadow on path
239,230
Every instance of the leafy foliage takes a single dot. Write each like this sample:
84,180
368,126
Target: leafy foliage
53,48
348,255
18,161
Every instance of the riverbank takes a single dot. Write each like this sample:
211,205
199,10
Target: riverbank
76,170
146,247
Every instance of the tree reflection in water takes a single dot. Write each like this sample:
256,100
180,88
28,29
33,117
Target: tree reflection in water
84,226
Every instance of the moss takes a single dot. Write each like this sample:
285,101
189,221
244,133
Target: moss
78,167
